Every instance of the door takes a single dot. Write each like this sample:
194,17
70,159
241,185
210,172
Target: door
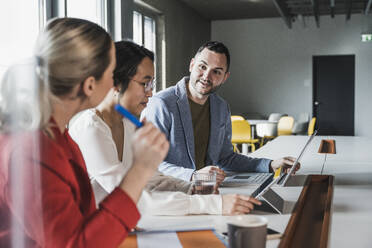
333,94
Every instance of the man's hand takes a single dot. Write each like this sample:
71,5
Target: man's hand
220,174
238,204
286,163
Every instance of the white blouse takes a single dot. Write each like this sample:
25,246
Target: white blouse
106,171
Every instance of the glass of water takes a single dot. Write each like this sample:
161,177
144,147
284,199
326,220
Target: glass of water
204,183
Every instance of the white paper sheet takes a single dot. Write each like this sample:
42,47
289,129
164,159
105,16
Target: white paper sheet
158,240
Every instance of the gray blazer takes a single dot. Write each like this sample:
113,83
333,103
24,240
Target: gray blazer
169,110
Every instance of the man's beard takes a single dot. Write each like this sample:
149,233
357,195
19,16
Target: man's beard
211,91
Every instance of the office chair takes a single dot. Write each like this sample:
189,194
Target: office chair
301,124
275,116
236,117
266,131
311,127
285,125
241,134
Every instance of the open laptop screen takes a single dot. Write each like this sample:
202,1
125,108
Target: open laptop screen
286,176
267,183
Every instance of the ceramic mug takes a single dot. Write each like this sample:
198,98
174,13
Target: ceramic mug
247,231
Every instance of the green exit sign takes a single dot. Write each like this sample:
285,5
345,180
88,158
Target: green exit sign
366,37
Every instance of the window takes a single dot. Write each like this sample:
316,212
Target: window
146,33
144,30
92,10
137,27
20,23
149,33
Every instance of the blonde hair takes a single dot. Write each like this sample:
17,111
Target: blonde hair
68,51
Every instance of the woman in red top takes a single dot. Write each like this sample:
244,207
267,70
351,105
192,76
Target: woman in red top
46,199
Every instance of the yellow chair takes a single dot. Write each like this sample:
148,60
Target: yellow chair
241,134
285,125
236,117
311,127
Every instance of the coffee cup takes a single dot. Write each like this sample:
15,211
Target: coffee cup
247,231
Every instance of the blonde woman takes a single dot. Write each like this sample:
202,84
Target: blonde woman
46,199
104,139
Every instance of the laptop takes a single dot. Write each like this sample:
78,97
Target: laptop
235,179
285,176
264,187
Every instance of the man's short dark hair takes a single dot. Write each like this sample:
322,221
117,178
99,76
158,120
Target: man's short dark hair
217,47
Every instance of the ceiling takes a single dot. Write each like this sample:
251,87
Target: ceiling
287,9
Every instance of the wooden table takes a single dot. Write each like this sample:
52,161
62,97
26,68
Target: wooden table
351,222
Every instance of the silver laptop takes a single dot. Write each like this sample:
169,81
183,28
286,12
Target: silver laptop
234,179
285,176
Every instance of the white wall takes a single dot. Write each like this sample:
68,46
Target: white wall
271,65
185,32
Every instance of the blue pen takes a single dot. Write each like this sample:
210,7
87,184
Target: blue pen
128,115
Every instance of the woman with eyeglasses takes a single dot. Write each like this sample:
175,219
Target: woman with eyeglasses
46,199
104,138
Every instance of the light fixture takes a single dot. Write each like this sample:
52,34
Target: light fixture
366,37
366,34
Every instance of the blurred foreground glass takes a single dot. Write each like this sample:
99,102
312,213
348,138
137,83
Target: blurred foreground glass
204,183
21,98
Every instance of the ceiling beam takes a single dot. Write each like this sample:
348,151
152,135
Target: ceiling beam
316,11
332,5
284,12
348,9
368,7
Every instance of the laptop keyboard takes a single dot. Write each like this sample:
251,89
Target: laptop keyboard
260,177
246,179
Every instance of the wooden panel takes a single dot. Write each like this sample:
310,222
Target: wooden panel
310,220
327,146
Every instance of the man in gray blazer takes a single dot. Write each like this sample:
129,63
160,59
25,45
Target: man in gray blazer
197,121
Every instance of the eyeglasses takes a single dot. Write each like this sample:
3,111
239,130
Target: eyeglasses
148,86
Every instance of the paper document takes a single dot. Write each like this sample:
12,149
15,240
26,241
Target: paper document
158,240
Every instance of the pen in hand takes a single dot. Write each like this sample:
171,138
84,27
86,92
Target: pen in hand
128,115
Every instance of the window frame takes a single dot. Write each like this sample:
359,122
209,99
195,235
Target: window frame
119,24
158,17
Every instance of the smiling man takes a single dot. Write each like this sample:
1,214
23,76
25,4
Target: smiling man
197,121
